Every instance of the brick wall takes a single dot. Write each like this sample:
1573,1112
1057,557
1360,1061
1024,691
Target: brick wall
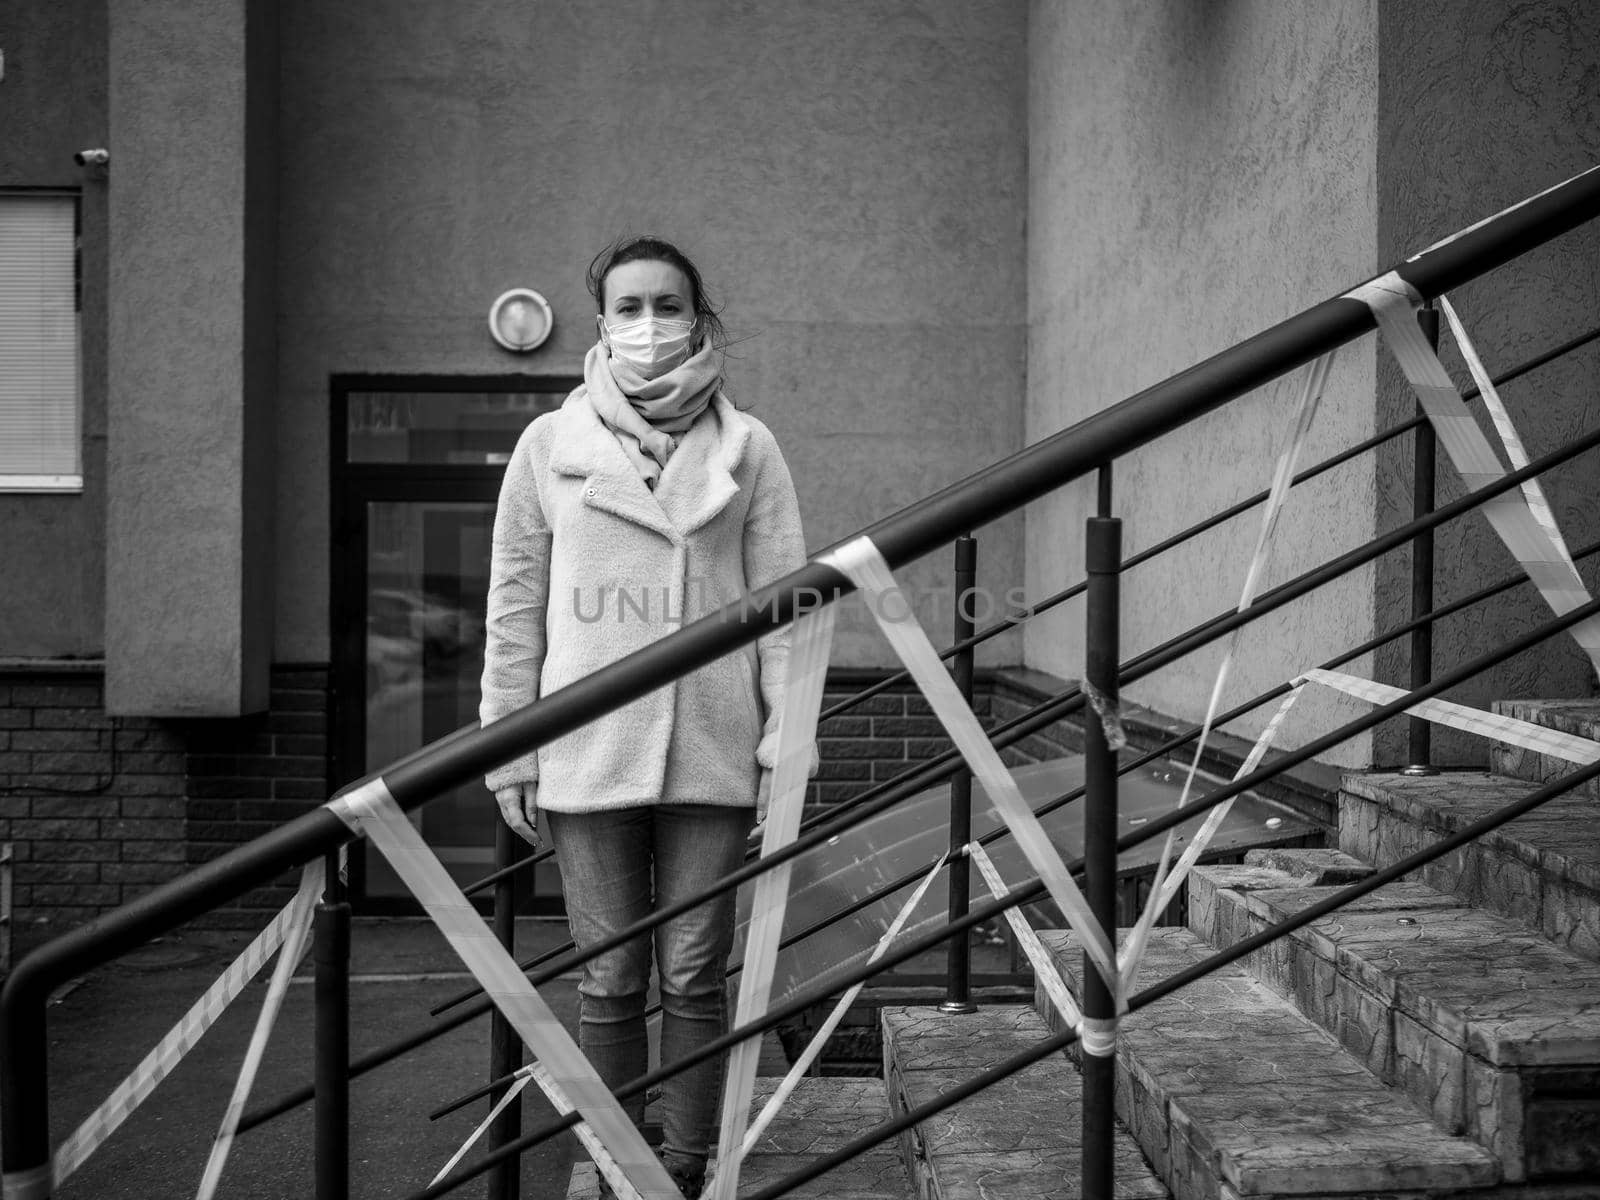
250,775
878,738
92,805
98,809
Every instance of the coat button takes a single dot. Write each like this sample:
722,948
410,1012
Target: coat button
591,491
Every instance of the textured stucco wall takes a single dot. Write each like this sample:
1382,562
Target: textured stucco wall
1479,106
850,178
176,533
53,104
1198,172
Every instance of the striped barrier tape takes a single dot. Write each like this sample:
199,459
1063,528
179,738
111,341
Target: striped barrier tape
621,1155
812,639
1044,970
861,561
1515,451
1522,734
1316,381
178,1041
295,941
1537,549
809,1055
524,1076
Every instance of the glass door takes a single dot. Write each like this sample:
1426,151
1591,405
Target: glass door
417,469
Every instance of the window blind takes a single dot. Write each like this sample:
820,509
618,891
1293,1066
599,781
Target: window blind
39,329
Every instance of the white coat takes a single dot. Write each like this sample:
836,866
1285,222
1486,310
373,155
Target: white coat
590,565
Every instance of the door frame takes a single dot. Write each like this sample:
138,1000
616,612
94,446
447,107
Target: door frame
352,486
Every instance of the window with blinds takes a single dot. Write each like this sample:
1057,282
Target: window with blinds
40,406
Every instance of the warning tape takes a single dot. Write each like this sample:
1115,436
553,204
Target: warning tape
295,941
126,1097
811,642
619,1150
1535,545
802,1064
1522,734
861,561
1316,381
1044,968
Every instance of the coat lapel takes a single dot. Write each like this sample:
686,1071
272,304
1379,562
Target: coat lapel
698,482
584,446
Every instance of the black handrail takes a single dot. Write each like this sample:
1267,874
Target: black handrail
1139,558
1057,1042
1035,889
1162,750
983,497
939,767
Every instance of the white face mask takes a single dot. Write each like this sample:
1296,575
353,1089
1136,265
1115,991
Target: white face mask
652,346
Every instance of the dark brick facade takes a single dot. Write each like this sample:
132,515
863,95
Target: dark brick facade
98,808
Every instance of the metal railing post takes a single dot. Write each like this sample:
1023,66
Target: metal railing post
958,950
505,1047
1419,733
331,952
1103,559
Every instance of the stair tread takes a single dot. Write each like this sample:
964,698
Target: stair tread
1560,838
1018,1138
1480,980
1263,1093
823,1114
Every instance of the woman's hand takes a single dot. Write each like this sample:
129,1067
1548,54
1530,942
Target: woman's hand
763,795
519,805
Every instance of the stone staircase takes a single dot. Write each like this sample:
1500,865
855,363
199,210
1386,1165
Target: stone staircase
1438,1038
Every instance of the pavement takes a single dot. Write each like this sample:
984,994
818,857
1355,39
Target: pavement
102,1024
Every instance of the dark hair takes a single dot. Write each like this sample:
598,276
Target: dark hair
648,248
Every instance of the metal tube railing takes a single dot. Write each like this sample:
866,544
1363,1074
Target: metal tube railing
940,767
1160,751
1026,892
985,496
1057,1042
1139,558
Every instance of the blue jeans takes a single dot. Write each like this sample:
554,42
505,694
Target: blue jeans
616,868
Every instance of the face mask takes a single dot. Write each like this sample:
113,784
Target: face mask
652,346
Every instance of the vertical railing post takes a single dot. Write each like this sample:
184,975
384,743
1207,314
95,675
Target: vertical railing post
1419,735
958,950
331,936
1104,559
505,1047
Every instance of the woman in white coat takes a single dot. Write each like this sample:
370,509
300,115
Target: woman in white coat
646,501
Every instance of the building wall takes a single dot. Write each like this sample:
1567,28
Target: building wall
849,177
1198,173
1481,105
53,104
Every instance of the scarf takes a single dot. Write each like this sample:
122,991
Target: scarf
645,414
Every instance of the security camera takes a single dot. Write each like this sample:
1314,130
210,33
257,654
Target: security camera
92,158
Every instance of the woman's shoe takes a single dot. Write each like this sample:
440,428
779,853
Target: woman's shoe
689,1176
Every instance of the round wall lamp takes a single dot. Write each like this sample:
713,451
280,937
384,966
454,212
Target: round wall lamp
520,320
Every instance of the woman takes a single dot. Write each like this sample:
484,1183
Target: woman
647,500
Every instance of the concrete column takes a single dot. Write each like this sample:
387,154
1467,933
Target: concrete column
193,111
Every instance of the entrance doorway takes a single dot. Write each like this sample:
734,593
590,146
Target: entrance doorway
417,463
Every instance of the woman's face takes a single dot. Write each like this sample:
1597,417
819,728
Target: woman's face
646,288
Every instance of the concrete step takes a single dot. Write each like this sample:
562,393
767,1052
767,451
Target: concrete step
1017,1139
1483,1023
824,1113
1542,869
1580,718
1234,1093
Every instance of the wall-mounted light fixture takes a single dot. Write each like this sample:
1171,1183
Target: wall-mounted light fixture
520,320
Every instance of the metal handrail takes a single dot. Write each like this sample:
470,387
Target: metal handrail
1055,599
1026,892
1058,1042
981,498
